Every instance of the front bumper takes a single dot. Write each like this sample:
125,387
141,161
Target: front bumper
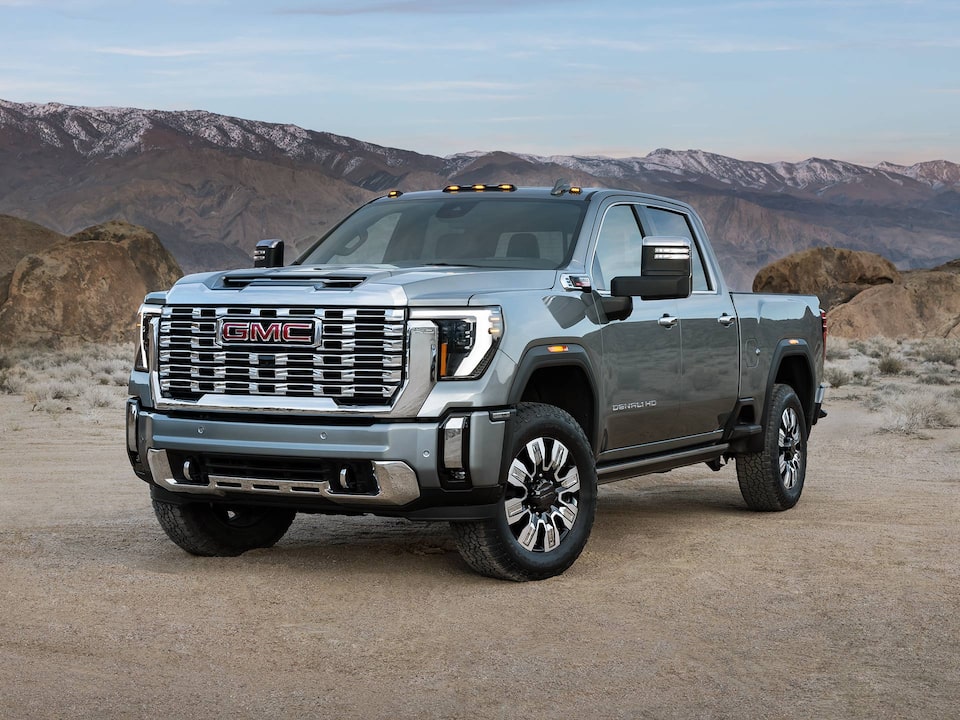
322,464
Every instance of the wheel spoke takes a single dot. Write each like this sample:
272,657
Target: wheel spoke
567,511
518,475
551,535
528,536
537,453
558,456
570,483
515,510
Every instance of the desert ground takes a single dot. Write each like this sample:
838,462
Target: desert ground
683,605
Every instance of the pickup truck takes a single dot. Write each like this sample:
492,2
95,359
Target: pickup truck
484,355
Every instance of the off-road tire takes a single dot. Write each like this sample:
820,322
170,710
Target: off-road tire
550,491
215,530
772,479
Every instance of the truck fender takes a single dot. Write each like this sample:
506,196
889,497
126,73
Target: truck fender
540,358
786,349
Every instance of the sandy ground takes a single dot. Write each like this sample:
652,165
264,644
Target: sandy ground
684,604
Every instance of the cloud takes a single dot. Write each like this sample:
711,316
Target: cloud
157,52
448,85
337,8
250,47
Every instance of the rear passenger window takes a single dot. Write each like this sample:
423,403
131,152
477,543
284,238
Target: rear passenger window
665,222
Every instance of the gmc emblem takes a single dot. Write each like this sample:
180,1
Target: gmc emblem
259,332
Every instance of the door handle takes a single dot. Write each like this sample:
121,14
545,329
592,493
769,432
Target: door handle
727,320
668,321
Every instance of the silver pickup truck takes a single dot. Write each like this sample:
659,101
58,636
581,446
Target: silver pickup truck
484,355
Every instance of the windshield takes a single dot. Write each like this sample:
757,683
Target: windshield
483,232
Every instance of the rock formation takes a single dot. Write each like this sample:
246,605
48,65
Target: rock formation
86,288
834,275
925,303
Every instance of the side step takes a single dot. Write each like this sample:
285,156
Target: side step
658,463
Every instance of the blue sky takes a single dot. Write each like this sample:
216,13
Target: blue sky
762,80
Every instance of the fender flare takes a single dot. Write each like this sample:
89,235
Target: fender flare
539,357
785,349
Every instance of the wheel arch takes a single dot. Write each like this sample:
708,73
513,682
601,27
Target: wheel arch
793,365
562,379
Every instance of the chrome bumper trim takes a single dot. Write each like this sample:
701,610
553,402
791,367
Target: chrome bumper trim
133,416
396,484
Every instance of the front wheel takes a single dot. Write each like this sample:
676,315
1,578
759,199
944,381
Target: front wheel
772,479
216,530
546,511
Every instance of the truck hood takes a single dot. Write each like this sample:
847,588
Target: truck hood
354,285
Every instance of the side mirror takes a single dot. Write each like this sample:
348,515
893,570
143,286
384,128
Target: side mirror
268,253
665,271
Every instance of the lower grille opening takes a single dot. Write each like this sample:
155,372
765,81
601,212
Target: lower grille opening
297,475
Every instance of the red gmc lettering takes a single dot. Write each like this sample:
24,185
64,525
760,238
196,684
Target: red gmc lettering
265,333
274,332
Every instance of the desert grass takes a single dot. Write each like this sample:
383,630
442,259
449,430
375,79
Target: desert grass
917,410
72,379
913,385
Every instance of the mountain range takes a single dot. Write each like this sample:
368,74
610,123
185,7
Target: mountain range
210,186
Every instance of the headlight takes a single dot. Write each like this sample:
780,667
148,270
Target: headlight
146,320
467,339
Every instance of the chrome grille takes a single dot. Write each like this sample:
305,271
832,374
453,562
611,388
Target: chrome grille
358,358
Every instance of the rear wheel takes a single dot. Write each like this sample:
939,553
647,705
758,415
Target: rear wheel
772,479
546,511
216,530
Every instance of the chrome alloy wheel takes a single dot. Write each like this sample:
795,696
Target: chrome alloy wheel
542,495
791,448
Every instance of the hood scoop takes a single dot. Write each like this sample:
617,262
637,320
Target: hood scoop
319,281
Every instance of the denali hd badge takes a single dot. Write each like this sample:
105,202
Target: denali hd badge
260,332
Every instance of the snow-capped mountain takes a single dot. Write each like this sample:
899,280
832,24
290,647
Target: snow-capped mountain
114,132
110,132
212,185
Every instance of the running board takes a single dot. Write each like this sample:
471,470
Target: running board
611,472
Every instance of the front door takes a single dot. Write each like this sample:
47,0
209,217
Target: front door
640,385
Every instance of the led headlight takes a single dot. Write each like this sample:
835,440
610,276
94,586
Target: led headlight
147,318
467,339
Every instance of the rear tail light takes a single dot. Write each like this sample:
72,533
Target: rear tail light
823,328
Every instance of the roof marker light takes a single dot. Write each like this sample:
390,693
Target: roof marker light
394,193
480,187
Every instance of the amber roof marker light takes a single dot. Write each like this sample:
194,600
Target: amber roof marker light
479,187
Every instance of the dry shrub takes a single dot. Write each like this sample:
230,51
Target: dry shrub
890,365
935,379
48,379
940,351
878,347
837,377
101,397
838,349
919,410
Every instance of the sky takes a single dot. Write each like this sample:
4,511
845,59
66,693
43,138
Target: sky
759,80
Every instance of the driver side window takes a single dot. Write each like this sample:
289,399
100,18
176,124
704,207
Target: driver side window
619,246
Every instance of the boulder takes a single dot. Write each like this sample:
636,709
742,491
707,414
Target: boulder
926,303
835,275
86,288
